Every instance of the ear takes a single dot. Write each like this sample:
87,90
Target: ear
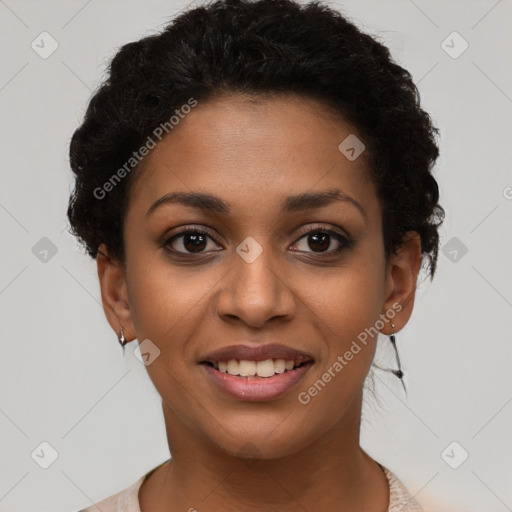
114,295
401,277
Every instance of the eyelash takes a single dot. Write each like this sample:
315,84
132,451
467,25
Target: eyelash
345,242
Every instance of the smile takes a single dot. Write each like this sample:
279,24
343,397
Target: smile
256,381
266,368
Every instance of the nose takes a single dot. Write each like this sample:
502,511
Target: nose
257,291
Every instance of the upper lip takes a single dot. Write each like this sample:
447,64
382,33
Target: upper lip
257,353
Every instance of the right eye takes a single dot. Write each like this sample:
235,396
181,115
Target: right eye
194,241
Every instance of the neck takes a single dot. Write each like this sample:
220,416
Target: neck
331,473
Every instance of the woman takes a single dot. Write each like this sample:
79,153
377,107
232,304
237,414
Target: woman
255,184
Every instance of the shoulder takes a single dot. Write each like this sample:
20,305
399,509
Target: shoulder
400,500
126,500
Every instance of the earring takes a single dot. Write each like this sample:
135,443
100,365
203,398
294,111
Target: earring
399,373
121,339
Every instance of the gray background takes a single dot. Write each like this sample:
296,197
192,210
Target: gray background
64,380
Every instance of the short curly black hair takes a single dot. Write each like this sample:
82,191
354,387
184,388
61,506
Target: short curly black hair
259,48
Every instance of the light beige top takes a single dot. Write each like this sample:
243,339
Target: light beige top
127,500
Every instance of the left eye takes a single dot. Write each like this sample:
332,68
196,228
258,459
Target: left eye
321,240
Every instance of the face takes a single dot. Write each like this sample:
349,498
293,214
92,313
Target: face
268,263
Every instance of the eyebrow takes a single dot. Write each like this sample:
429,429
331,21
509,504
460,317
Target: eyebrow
295,203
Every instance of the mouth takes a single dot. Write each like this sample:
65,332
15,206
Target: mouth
256,373
263,369
256,381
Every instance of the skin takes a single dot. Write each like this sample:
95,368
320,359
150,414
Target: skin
253,155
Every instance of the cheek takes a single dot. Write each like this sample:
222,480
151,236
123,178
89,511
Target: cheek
165,299
342,318
344,311
347,299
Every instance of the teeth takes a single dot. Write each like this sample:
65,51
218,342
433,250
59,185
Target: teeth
233,367
280,365
247,368
267,368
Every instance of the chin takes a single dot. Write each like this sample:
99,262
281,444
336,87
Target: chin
260,443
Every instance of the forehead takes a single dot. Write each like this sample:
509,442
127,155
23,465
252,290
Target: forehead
253,150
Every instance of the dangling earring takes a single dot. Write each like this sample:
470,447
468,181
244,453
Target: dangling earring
399,373
122,339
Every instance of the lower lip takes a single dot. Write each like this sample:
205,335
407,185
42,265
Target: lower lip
257,389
